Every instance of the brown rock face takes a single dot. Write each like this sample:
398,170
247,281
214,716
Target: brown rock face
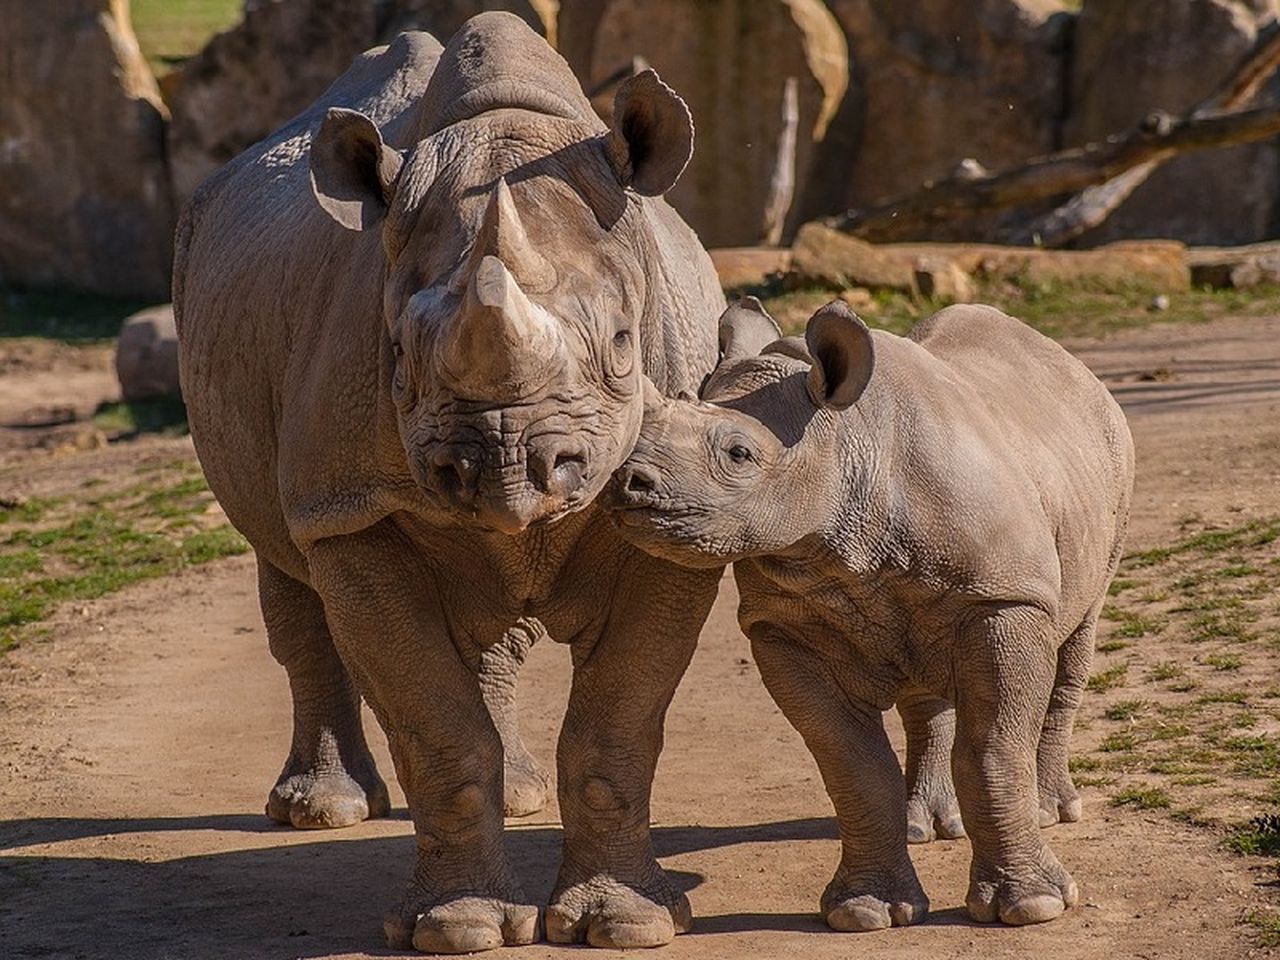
936,81
283,54
731,61
84,193
1135,56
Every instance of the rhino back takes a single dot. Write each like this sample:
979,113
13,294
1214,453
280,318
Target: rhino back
262,277
1016,462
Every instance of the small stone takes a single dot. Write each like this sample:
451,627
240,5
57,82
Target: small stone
1160,304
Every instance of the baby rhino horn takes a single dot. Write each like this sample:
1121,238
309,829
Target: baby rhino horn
502,235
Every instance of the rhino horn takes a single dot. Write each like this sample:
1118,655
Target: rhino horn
500,340
502,235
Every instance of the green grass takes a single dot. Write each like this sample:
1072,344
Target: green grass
55,552
1266,925
1260,837
1142,798
1109,678
1126,709
1166,670
65,315
166,415
169,31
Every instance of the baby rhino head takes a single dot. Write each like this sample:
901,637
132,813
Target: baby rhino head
756,465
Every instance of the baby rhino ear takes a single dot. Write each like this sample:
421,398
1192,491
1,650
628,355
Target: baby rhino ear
745,329
843,356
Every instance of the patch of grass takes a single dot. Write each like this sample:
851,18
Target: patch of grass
165,415
1109,678
1111,646
1082,764
1118,742
1134,625
1142,798
1223,696
1266,925
79,551
1166,670
1119,585
169,31
1223,661
66,315
1260,837
1126,709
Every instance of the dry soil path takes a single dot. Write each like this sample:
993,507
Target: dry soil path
137,745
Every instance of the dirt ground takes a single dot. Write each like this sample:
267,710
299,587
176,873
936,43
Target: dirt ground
138,741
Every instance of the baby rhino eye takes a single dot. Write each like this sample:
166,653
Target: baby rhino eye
739,454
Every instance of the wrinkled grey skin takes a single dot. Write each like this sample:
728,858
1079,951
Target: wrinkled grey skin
414,325
937,513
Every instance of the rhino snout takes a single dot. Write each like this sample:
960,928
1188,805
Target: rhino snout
636,485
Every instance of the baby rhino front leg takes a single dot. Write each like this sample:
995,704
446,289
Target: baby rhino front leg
875,885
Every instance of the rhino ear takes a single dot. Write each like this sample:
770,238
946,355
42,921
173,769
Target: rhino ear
745,329
843,356
652,137
353,172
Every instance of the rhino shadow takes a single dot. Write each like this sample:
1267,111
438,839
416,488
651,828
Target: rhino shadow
303,898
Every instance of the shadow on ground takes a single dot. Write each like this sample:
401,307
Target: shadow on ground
303,898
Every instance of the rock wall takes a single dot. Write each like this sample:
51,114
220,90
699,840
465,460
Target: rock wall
84,193
731,61
1134,56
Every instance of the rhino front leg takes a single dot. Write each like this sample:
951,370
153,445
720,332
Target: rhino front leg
875,885
1059,801
1005,666
932,809
391,631
525,781
329,778
611,891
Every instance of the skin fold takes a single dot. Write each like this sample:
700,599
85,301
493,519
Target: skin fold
927,521
416,324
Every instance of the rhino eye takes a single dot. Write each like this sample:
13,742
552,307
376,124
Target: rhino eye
396,349
622,339
740,454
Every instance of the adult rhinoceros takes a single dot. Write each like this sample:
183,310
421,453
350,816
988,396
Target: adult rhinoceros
407,396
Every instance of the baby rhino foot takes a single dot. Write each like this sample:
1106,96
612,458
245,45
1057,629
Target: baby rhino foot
1020,897
933,814
604,912
874,902
311,801
1059,802
465,925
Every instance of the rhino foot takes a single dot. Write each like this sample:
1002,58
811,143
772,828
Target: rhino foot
1059,803
605,912
1023,896
465,925
526,787
854,905
331,799
933,814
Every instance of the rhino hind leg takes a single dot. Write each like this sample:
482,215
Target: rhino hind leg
932,809
526,783
1005,677
1059,801
329,778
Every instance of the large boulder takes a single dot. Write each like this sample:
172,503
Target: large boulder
936,82
84,192
147,355
732,61
249,80
1135,56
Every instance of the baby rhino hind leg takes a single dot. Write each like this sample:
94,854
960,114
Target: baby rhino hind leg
875,885
932,809
329,778
1005,664
1059,801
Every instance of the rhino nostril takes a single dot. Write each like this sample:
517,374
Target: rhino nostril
566,459
454,474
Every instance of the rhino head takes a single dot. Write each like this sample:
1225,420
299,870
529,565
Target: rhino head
759,463
520,300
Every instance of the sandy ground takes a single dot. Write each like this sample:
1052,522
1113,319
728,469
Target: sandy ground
138,742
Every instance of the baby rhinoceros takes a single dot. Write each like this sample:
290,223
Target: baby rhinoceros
938,512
